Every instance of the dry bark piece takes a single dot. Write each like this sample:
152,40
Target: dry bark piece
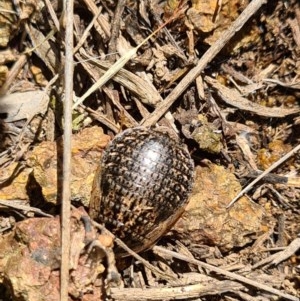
86,152
142,186
33,248
176,293
206,219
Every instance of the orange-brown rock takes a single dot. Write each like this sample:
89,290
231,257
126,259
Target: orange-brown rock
206,219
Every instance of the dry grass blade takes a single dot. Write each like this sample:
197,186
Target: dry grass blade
145,92
119,64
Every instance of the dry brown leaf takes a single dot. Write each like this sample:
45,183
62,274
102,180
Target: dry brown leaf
45,50
234,98
23,105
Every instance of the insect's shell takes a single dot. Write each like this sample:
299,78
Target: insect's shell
142,187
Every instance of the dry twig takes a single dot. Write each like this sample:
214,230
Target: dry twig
258,285
15,205
205,59
119,242
175,293
66,190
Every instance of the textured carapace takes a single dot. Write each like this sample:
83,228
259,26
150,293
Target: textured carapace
144,182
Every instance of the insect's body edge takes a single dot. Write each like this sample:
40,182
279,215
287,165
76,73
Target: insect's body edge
145,181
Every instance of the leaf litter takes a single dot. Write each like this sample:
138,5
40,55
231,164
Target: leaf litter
238,117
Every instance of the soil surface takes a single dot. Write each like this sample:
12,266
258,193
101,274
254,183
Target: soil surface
220,77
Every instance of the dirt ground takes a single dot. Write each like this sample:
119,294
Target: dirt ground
221,77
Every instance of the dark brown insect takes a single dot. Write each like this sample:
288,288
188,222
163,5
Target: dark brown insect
144,181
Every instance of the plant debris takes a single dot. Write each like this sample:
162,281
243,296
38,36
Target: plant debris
221,76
